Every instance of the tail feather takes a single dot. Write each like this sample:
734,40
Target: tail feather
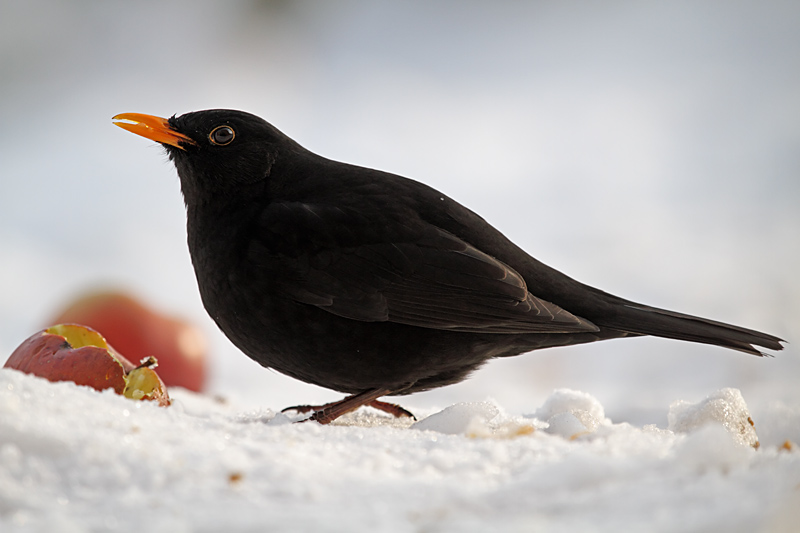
645,320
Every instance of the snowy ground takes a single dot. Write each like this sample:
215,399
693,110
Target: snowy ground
76,460
648,149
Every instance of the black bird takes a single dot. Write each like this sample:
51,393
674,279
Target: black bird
369,283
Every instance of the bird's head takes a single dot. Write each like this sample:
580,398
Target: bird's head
217,152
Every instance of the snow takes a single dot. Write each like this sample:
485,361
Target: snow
725,407
73,459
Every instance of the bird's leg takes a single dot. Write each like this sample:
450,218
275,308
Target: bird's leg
390,408
329,412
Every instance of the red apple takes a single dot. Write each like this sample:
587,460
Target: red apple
139,331
70,352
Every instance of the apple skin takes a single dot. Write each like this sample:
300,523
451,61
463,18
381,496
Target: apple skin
52,357
72,352
139,331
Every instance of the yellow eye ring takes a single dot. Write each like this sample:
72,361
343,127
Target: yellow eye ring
222,135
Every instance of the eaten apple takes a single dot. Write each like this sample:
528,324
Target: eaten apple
139,331
72,352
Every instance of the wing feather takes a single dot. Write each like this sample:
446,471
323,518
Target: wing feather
422,276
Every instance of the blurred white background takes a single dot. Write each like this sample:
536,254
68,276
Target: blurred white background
651,150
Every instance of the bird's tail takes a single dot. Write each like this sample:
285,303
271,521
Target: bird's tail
645,320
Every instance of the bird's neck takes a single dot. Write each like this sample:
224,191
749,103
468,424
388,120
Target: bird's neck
211,225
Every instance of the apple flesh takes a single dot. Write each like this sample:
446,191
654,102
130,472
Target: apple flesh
139,331
71,352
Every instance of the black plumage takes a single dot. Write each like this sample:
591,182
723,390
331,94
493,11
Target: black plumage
370,283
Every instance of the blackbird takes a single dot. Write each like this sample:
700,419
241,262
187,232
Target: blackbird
369,283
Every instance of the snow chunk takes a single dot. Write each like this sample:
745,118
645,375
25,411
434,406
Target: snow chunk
566,425
571,413
476,420
725,407
461,419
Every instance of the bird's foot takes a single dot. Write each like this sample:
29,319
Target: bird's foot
324,414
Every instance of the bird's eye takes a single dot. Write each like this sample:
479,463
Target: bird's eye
221,135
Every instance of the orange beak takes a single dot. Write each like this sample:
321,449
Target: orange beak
153,128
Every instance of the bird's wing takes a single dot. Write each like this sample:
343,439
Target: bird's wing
421,275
